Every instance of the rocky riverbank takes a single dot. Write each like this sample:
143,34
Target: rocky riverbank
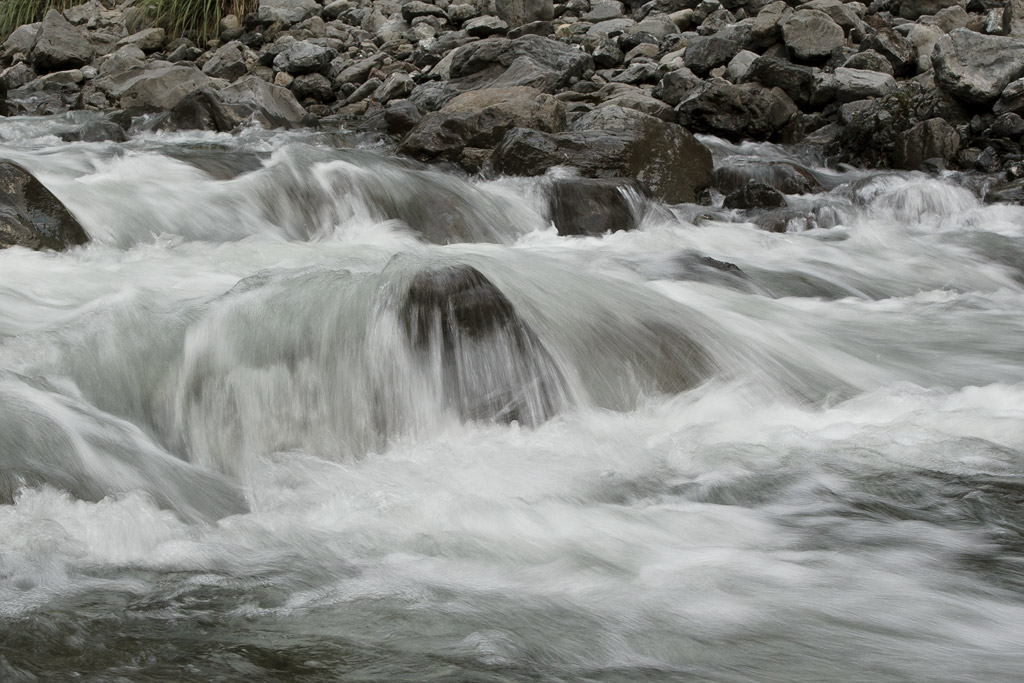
614,89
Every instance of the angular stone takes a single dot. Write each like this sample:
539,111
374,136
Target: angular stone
156,89
931,139
708,52
276,103
515,13
31,216
975,67
148,40
534,61
227,62
594,206
286,11
59,45
304,58
485,27
811,35
854,84
736,112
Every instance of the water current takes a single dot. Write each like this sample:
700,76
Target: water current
232,447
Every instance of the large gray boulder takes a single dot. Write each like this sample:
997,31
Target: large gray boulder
811,35
59,45
153,89
848,85
797,81
663,156
304,58
287,11
21,40
277,104
736,111
534,61
976,67
30,216
515,13
479,119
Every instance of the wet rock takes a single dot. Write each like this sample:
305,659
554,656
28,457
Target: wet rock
534,61
416,8
675,85
754,195
202,109
786,177
485,27
931,139
594,206
976,67
736,112
811,35
848,85
152,89
480,119
662,156
493,366
398,85
59,45
96,131
401,116
312,86
31,216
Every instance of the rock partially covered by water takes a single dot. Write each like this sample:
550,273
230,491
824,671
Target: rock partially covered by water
736,112
494,367
663,156
594,206
30,216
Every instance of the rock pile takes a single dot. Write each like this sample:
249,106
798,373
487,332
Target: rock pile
614,88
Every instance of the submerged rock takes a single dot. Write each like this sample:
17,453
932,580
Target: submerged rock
31,216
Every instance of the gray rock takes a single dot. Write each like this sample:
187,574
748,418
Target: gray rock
912,9
975,67
401,116
480,119
641,102
869,60
276,103
736,112
533,61
152,89
484,27
417,8
951,18
739,65
30,216
515,13
462,11
754,195
312,86
201,109
931,139
15,76
606,54
811,35
396,86
1011,99
784,176
675,85
100,130
854,84
602,10
304,58
923,38
795,80
21,39
1008,125
708,52
148,40
287,11
595,206
59,46
900,52
842,14
227,62
663,156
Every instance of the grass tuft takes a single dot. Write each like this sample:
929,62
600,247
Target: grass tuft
14,13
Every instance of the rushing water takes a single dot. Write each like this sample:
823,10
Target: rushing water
224,455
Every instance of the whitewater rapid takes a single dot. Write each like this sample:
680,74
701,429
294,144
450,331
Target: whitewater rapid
220,458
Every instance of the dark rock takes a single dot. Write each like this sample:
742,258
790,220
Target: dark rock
59,46
480,119
594,206
96,131
30,216
784,176
518,12
675,85
869,60
493,366
542,63
663,156
400,116
736,112
303,58
754,195
796,81
1008,125
416,8
312,86
227,62
485,27
900,52
705,53
201,109
975,67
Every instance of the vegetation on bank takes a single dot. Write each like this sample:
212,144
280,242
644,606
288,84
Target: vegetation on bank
196,19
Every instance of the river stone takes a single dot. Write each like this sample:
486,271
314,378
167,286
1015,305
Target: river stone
869,60
900,52
417,8
480,119
59,45
153,89
594,206
811,35
277,104
31,216
855,84
534,61
21,39
931,139
675,85
286,11
602,10
708,52
795,80
304,58
148,40
485,27
515,13
1011,99
226,62
663,156
754,195
736,111
202,109
784,176
976,67
912,9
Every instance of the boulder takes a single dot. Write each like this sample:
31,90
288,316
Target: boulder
869,60
811,35
594,206
975,67
708,52
796,81
286,11
663,156
152,89
515,13
30,216
534,61
148,40
754,195
900,52
1011,99
101,130
59,45
417,8
21,40
480,119
675,85
848,85
202,109
401,116
736,111
931,139
784,176
276,104
485,27
912,9
304,58
637,99
227,62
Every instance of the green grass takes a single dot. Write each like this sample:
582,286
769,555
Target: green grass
197,19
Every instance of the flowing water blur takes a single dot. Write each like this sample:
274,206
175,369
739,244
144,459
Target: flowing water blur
221,457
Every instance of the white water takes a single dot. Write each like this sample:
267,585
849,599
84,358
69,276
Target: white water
223,460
